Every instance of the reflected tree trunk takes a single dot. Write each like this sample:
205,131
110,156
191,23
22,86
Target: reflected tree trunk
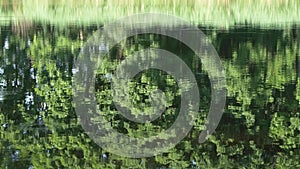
298,65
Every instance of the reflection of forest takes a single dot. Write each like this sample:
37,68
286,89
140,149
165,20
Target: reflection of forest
260,126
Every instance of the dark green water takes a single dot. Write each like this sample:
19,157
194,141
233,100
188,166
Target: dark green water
259,128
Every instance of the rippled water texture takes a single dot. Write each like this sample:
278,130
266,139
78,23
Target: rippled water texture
40,129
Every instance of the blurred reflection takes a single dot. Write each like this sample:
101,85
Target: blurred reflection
260,126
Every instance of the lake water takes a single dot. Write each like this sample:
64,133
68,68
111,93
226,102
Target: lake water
260,127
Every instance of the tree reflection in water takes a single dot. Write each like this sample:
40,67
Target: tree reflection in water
260,126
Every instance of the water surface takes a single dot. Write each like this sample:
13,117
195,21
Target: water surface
259,129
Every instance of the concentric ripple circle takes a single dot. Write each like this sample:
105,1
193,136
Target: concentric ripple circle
110,35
